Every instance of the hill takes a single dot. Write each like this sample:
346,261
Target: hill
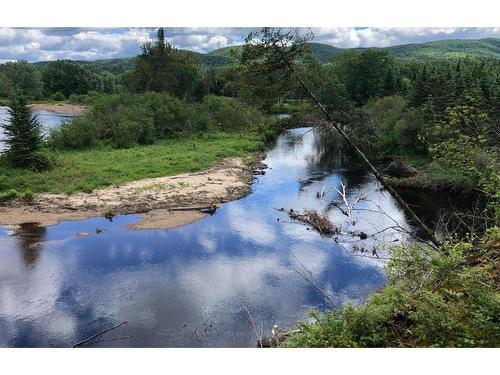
448,49
438,50
324,52
118,65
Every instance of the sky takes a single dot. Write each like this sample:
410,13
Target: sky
40,44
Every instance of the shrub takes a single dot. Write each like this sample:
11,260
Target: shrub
42,160
432,300
126,120
128,133
14,194
77,134
78,98
408,131
58,96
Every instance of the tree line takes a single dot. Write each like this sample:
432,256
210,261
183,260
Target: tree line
443,112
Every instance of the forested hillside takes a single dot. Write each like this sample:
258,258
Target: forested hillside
437,50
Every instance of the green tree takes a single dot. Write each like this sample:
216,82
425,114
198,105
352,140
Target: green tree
4,85
67,77
262,72
368,75
23,134
163,68
23,78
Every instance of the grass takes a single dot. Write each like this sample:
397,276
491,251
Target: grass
91,169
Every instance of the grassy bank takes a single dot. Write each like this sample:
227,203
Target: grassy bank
90,169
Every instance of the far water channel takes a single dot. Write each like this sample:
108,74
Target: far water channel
47,119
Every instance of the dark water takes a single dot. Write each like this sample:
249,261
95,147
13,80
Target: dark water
198,284
49,120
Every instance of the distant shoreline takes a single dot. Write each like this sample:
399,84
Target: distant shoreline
74,109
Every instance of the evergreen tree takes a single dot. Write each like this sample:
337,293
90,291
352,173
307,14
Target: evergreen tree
163,68
23,134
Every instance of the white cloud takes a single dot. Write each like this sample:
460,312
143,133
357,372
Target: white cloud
36,44
383,37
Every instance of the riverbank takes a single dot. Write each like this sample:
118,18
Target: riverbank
66,108
441,300
194,171
161,200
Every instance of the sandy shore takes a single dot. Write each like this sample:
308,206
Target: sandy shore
157,199
73,109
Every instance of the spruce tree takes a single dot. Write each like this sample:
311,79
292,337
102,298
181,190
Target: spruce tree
22,134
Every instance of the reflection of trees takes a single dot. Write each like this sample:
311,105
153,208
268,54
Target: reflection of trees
330,153
289,141
30,235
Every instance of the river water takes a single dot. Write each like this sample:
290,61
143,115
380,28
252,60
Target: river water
48,119
212,283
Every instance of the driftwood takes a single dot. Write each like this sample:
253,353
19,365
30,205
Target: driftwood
80,343
319,222
212,207
276,339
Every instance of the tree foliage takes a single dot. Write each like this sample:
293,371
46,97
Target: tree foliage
68,78
162,68
20,78
127,120
432,300
23,136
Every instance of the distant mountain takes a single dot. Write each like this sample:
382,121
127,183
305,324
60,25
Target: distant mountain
224,52
438,50
448,49
118,65
324,52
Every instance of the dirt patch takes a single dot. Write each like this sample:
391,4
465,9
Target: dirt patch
161,200
66,108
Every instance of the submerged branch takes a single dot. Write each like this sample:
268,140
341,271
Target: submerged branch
80,343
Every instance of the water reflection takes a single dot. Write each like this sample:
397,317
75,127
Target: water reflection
192,286
30,236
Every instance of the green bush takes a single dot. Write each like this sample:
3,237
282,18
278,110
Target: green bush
432,300
78,98
127,120
77,134
227,114
14,194
58,96
128,133
42,160
397,127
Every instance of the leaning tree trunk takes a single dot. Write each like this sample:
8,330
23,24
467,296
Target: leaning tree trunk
374,170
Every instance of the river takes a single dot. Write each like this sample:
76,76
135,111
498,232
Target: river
209,284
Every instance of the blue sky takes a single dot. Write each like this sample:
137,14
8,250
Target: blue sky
37,44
